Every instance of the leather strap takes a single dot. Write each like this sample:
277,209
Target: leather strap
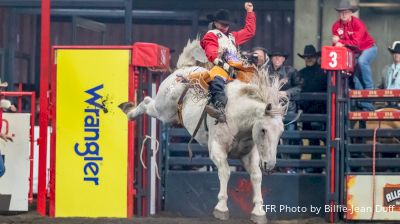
203,115
180,104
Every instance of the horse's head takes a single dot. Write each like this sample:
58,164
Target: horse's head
266,134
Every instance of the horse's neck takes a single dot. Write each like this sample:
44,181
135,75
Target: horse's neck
245,112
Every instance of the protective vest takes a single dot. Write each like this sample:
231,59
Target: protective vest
225,42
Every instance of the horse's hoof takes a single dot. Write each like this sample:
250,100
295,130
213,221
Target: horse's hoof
221,215
126,107
259,219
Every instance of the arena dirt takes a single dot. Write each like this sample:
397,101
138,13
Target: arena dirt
33,217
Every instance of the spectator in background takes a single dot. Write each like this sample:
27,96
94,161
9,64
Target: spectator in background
4,105
292,87
262,57
391,73
349,31
314,80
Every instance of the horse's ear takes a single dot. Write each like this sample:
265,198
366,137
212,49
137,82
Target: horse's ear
268,109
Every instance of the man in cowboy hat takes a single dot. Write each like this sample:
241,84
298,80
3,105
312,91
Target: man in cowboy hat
220,46
391,73
4,105
312,76
313,80
276,68
350,31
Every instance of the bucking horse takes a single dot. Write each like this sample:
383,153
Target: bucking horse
254,113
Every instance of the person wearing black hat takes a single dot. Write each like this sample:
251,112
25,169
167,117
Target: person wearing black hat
220,46
291,88
312,76
313,80
276,68
350,31
391,73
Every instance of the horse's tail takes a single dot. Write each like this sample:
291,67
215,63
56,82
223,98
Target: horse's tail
192,54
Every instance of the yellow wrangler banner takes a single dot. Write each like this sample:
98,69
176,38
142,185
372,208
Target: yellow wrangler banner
91,133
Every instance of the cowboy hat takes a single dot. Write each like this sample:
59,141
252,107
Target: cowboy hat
345,5
278,53
309,51
3,84
395,48
221,16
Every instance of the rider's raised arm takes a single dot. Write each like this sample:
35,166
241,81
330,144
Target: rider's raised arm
249,29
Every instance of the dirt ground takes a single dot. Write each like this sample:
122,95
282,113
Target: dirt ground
33,217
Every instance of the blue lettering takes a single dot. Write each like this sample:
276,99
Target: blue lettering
94,179
91,152
96,134
95,96
91,121
88,145
93,167
93,158
95,111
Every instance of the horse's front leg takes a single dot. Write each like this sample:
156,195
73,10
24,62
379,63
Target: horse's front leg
251,163
219,156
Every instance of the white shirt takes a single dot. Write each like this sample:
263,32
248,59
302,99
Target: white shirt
391,76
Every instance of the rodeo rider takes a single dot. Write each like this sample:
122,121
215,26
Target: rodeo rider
220,46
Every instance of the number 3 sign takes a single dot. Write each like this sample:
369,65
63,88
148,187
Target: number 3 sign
337,58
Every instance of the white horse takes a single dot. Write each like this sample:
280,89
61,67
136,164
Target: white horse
254,125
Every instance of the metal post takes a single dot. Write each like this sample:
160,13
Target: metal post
44,86
195,24
340,101
139,131
149,81
32,144
328,141
20,98
345,139
131,148
128,22
159,158
10,51
332,146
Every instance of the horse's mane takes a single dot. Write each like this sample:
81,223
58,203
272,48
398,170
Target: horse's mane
266,89
192,55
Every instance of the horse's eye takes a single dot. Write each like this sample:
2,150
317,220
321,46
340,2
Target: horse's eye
263,131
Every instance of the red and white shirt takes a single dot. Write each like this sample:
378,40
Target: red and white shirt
353,33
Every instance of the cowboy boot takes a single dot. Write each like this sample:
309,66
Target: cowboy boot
218,99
